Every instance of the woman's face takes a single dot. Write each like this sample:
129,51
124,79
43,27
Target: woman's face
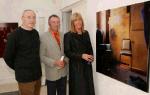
78,24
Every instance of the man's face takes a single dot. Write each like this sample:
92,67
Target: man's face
54,23
29,19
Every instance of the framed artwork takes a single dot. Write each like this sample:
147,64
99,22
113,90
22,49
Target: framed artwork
122,44
5,30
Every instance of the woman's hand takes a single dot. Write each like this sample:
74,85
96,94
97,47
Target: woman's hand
87,57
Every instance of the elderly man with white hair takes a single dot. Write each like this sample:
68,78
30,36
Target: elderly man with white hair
22,55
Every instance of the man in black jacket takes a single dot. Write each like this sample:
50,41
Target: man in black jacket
22,55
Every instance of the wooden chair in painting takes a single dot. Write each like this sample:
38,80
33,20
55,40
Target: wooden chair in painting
126,50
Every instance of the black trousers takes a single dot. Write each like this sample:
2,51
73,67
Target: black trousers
58,85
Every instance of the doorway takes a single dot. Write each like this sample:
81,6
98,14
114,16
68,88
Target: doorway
66,16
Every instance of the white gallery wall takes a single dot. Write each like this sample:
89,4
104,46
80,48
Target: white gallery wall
66,3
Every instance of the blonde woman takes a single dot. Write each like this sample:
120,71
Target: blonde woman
78,49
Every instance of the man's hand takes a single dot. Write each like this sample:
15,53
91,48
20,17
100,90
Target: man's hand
60,63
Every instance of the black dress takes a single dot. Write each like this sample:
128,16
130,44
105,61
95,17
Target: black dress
80,71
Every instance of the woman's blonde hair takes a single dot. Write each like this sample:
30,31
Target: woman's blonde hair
76,16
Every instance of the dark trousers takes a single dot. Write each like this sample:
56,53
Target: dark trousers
58,85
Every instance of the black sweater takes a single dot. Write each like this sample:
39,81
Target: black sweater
22,54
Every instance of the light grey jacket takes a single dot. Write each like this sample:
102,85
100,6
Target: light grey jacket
49,53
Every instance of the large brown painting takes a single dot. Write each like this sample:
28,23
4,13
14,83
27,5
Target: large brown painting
122,44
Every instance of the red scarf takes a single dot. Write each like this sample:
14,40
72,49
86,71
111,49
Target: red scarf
56,36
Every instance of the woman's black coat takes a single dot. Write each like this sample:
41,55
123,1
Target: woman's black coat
80,71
